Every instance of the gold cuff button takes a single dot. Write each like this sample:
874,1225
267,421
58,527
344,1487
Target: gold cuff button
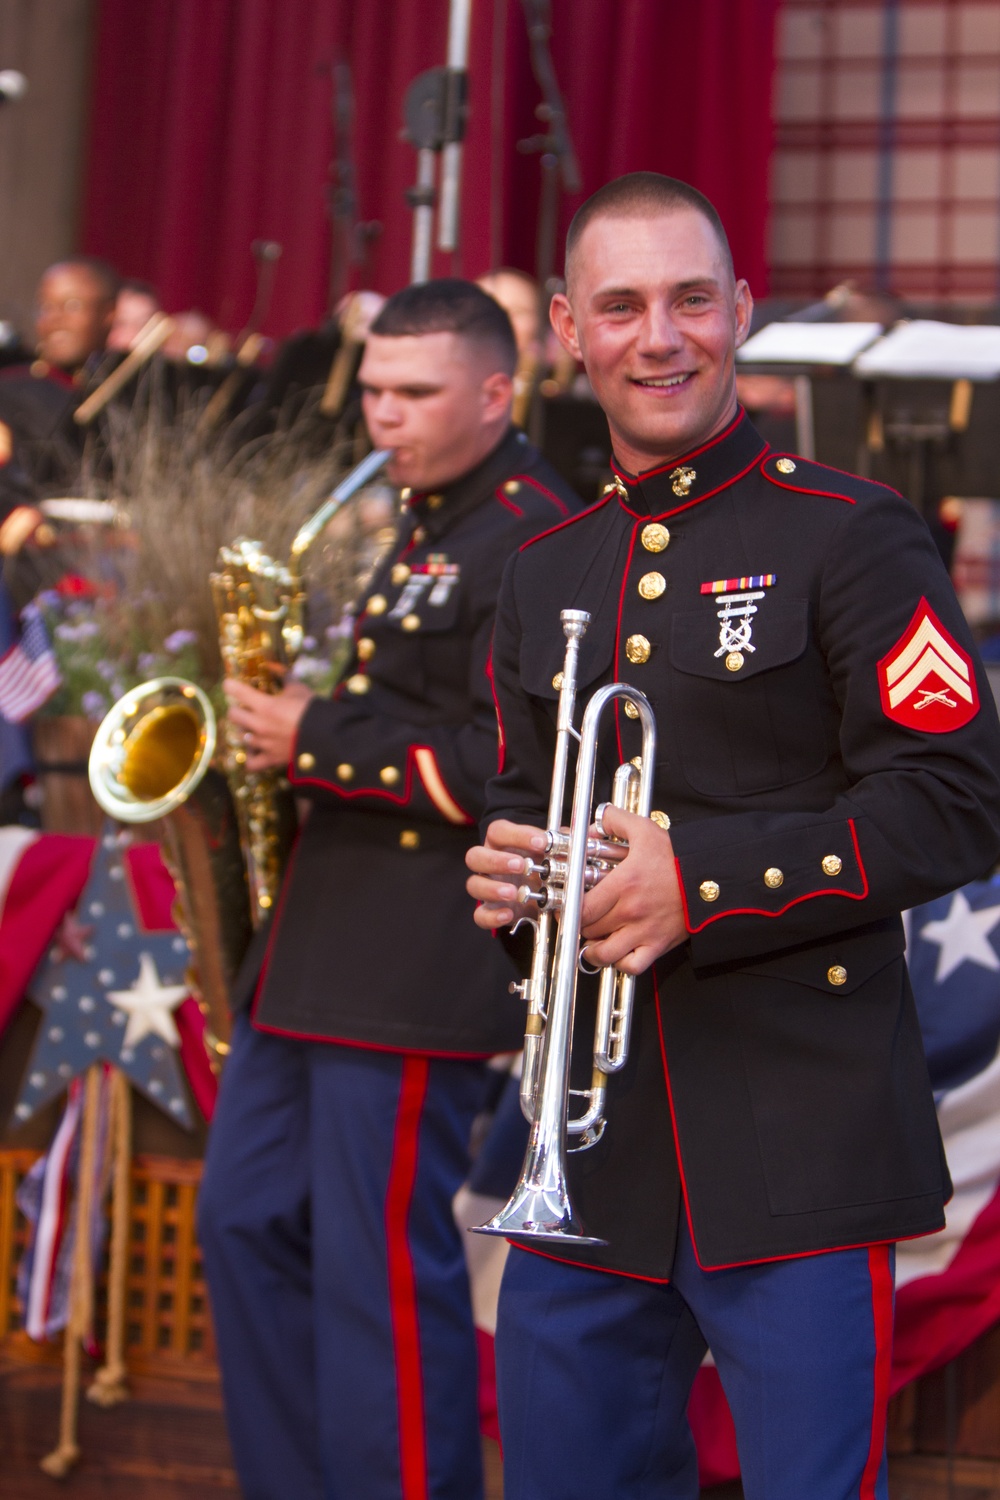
708,890
410,622
376,605
557,682
837,974
365,648
660,819
631,712
637,649
654,537
785,466
305,761
773,878
734,661
409,839
345,772
358,684
651,585
400,573
389,775
832,864
512,486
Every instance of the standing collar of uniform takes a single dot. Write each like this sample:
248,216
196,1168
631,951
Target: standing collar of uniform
688,480
439,509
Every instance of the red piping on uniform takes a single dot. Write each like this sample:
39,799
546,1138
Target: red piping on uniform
581,515
547,494
664,515
343,1041
676,462
604,1270
504,500
759,911
618,635
285,884
829,494
881,1275
399,798
402,1281
501,737
673,1117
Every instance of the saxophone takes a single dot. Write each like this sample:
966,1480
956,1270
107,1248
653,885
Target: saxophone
226,831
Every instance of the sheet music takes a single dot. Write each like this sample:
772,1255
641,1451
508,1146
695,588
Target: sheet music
808,343
929,350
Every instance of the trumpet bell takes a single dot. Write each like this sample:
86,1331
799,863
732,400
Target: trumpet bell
152,749
536,1215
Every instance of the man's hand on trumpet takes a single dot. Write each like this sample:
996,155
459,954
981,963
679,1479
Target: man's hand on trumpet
269,721
630,918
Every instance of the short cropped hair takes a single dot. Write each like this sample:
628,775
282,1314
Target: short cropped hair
642,194
100,271
451,305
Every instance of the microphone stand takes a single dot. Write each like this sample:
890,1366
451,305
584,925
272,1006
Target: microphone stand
350,237
557,160
434,114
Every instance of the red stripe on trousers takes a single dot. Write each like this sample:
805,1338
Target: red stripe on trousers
880,1269
402,1283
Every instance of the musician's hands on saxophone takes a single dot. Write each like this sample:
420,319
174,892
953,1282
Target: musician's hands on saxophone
630,918
270,721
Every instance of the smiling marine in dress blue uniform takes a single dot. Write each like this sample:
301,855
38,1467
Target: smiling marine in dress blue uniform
827,755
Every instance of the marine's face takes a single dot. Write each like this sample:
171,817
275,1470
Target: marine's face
73,316
133,311
653,312
519,299
433,399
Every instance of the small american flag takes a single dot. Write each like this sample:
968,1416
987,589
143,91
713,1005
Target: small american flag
29,674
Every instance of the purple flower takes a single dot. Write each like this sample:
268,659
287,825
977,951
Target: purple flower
94,705
107,669
178,639
147,663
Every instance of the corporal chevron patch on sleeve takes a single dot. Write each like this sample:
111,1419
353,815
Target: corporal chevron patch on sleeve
927,681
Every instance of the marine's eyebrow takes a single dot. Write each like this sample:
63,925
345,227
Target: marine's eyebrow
611,292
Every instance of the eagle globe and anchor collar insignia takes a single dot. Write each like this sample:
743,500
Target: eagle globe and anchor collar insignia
927,681
738,597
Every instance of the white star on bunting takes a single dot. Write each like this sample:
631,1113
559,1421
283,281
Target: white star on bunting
149,1004
963,935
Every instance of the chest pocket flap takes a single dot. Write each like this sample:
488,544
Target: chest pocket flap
778,633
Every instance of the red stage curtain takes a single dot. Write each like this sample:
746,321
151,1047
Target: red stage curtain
211,127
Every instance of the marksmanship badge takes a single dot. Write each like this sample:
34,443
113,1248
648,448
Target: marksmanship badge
738,597
927,681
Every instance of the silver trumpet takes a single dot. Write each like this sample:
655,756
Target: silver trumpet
540,1208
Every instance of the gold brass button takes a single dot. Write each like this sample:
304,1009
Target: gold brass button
637,762
345,772
786,466
376,605
660,819
306,761
631,712
708,890
435,502
512,486
419,535
359,683
651,585
837,974
388,775
400,573
832,864
557,682
773,878
681,480
405,493
410,622
734,661
654,537
365,648
637,649
409,839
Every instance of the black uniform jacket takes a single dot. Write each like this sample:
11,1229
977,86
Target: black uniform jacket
374,941
828,755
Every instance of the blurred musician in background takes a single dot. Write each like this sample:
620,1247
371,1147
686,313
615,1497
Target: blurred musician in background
336,1270
135,304
827,756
